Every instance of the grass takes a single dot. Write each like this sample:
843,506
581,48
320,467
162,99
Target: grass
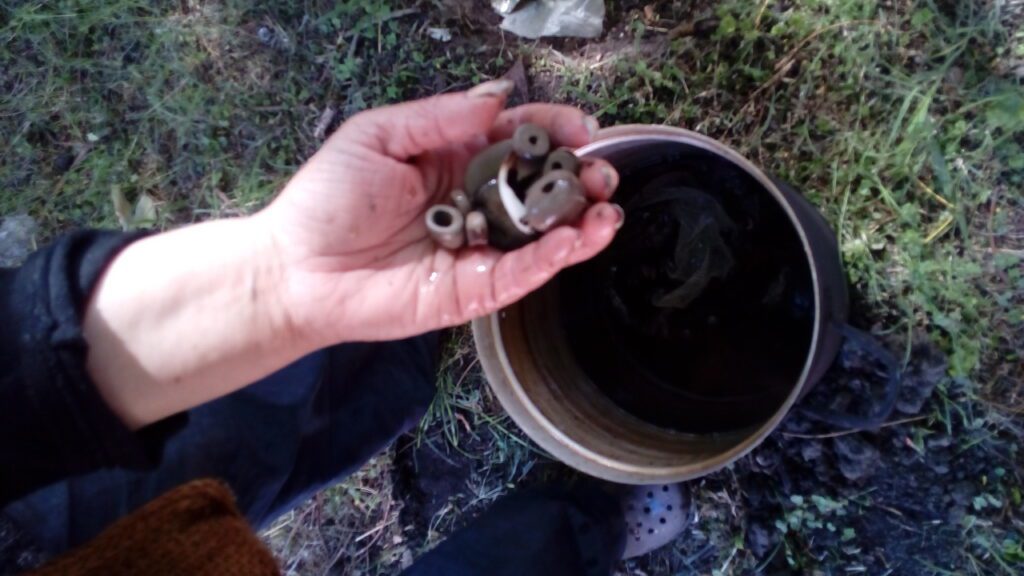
902,120
206,106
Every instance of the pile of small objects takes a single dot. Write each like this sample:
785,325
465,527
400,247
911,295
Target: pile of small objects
515,190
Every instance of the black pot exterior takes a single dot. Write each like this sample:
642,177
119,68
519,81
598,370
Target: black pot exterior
834,303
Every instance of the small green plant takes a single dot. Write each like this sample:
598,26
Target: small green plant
819,513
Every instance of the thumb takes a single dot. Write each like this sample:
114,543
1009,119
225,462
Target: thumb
405,130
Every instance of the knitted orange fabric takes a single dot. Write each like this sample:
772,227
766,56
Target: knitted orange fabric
194,529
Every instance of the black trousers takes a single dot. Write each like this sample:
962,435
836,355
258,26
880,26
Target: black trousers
306,427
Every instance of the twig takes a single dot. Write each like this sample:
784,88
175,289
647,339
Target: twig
400,14
682,29
944,224
757,21
692,27
371,532
890,510
355,32
466,372
342,547
326,117
924,187
299,519
465,423
847,432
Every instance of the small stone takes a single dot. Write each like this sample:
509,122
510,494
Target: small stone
17,239
406,560
766,459
938,442
440,34
810,450
63,162
856,457
760,539
928,367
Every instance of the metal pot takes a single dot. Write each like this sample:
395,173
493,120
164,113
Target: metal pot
537,379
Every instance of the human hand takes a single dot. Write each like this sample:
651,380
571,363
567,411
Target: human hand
349,229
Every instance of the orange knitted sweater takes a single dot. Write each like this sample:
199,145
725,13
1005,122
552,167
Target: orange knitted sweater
194,529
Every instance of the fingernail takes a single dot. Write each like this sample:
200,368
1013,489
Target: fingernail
620,215
591,123
492,89
611,178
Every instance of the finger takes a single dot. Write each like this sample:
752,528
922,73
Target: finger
472,285
599,179
406,130
597,230
567,125
522,271
484,280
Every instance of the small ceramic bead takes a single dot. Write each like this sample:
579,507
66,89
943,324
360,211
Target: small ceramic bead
461,201
484,166
446,226
562,159
515,190
476,229
556,198
531,141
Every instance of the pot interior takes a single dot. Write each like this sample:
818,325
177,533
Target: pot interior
678,344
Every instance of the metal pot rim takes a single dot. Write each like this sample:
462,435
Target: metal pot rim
549,436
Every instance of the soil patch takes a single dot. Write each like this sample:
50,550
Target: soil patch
895,500
429,478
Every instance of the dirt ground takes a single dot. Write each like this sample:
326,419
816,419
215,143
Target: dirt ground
810,500
902,120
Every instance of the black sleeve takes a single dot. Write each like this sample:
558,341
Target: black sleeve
53,423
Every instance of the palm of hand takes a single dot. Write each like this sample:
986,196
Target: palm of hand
359,262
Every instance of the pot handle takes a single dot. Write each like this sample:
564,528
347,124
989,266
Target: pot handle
864,342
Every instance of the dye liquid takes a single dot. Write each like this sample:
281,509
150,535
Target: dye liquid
699,316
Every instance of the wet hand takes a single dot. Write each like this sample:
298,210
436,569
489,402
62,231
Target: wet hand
348,229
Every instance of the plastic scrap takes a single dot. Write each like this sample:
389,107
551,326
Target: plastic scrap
440,34
504,7
576,18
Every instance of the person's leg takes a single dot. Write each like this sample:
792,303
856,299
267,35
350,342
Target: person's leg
274,442
556,531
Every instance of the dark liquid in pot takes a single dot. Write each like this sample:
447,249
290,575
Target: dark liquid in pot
729,357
